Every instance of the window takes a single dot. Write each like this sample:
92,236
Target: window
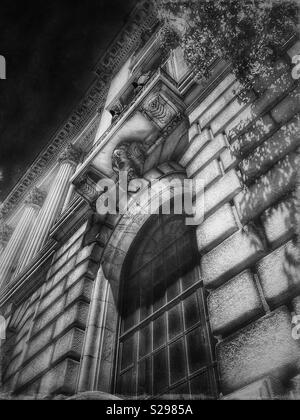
164,346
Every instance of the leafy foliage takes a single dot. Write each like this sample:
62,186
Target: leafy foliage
246,33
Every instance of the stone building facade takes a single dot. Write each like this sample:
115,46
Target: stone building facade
140,305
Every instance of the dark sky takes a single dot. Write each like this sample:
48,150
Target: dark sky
51,48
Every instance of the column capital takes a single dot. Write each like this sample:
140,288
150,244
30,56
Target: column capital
36,197
71,154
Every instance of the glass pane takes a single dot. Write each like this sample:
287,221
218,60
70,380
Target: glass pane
127,353
145,342
170,259
159,296
177,361
191,311
125,383
181,392
175,321
145,378
188,280
160,371
159,331
196,349
130,308
173,288
200,387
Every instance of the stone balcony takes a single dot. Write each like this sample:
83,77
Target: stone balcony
147,113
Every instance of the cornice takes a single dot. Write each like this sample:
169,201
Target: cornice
141,20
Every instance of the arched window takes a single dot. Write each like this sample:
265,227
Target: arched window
164,343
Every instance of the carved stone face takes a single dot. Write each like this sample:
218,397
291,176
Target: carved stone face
129,157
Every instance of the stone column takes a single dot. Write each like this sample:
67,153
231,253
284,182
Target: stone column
32,205
47,216
5,234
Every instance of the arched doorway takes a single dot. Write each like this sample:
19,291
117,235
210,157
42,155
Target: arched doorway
163,345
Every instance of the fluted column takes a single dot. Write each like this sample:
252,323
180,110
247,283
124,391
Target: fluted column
68,162
5,234
10,254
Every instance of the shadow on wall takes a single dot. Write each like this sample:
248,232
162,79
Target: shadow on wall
265,146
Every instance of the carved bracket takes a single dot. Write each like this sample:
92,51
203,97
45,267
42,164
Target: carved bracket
129,157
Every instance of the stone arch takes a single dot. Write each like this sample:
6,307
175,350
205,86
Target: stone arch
110,275
130,224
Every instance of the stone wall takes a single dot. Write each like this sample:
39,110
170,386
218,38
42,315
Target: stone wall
46,332
245,150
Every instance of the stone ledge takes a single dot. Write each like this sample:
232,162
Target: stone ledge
216,229
279,181
211,151
196,145
264,389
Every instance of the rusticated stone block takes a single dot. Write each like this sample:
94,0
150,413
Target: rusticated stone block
264,389
34,368
61,379
216,229
264,348
75,316
49,315
254,135
269,189
229,159
212,97
81,290
231,112
277,222
210,173
221,103
272,150
212,150
51,297
70,345
221,192
86,269
93,252
235,254
40,341
279,274
288,107
234,304
273,93
193,131
197,144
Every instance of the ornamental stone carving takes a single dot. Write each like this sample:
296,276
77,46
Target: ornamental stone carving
71,154
36,197
159,110
129,157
